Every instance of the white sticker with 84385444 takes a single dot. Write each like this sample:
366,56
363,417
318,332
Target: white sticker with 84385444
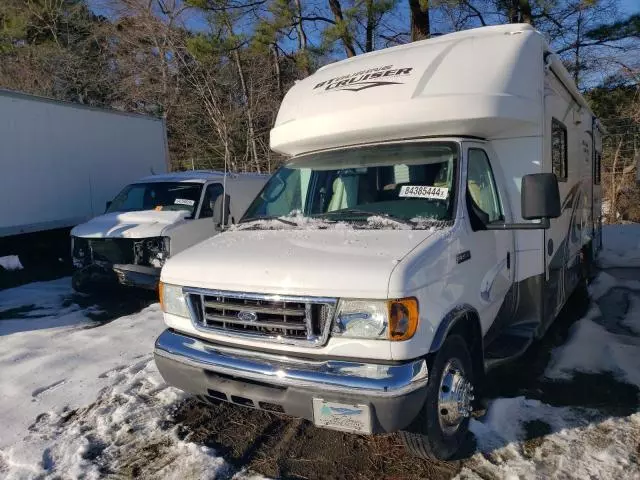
342,416
423,191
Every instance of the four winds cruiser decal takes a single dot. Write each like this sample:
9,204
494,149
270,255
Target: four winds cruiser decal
372,77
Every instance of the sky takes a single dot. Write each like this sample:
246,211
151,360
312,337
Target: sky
630,6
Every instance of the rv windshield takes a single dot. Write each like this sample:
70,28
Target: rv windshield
407,182
165,196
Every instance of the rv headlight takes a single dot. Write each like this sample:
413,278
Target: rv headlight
361,319
377,319
172,300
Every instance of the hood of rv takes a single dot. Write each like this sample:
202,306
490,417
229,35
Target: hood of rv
144,224
335,263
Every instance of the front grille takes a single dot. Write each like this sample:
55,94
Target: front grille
151,251
293,320
112,250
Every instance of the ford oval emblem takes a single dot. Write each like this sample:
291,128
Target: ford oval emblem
247,316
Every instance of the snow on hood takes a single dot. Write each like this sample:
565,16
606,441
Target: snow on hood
144,224
332,262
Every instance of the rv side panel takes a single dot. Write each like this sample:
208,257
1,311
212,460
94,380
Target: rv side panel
568,154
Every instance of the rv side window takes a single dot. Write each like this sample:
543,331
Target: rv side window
559,149
596,168
481,185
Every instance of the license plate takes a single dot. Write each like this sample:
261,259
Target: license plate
342,416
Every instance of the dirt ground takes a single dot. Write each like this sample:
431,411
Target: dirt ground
278,446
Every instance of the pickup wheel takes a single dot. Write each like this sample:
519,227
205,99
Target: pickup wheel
80,283
442,426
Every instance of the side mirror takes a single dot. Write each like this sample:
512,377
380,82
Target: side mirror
539,200
540,196
221,210
109,202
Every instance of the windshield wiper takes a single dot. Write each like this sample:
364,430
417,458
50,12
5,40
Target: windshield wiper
369,213
274,217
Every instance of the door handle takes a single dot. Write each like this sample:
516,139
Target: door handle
508,260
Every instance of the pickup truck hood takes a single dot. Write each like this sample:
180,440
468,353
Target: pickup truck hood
144,224
334,263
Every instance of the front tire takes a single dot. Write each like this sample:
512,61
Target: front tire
80,283
442,427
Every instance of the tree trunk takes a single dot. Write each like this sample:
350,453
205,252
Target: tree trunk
302,39
525,12
248,109
576,71
370,26
246,94
420,26
276,68
614,181
336,9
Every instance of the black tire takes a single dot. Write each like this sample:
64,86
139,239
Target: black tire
587,267
80,283
426,437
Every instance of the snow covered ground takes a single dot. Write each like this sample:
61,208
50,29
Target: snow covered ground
620,246
81,397
10,263
578,442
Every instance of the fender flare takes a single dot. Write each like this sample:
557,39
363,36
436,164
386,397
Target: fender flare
450,320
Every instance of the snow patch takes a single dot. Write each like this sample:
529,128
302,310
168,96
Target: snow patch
294,221
601,343
86,401
297,220
11,263
620,246
53,356
123,431
591,348
579,444
505,421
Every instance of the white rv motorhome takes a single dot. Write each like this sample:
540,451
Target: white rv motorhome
153,219
440,204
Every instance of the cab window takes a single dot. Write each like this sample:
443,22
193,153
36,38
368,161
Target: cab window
211,194
482,194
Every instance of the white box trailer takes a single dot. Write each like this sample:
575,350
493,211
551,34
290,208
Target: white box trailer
61,162
440,205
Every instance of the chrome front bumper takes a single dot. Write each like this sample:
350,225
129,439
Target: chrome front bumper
337,376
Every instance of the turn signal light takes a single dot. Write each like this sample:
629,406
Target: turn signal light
161,295
403,318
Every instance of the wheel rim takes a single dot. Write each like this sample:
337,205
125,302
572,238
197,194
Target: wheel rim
455,396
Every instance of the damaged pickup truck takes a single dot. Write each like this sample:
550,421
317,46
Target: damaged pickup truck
151,220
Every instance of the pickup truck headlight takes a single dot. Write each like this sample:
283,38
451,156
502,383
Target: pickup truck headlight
394,320
153,251
80,253
172,300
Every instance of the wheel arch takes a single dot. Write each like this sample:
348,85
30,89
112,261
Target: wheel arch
463,320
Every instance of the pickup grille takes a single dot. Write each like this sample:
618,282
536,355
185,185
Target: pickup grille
112,250
282,319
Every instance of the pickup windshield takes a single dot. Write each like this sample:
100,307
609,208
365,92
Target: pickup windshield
165,196
408,183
